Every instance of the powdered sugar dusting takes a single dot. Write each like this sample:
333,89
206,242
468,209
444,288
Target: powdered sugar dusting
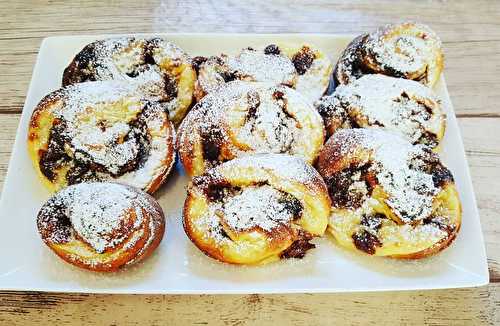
260,206
410,191
270,130
285,166
248,65
404,52
397,104
251,118
97,116
99,213
118,58
314,83
255,66
256,206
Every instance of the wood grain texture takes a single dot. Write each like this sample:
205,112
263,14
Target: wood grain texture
469,32
444,307
471,35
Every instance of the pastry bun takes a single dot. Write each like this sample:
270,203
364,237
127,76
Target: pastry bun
129,58
407,50
98,131
389,198
256,209
101,226
242,118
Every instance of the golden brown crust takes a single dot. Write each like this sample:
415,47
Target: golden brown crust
101,121
244,118
67,225
434,249
379,203
407,50
135,59
251,211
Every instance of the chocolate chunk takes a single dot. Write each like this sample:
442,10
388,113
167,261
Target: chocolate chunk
223,233
373,222
325,111
53,223
79,173
253,100
292,205
354,124
139,133
303,60
283,102
429,163
85,57
441,175
365,241
132,74
81,69
211,142
228,76
299,247
85,169
148,54
55,155
197,62
440,223
217,191
272,49
170,87
429,139
278,95
339,184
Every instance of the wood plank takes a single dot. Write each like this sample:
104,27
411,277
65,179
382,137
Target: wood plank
478,306
471,42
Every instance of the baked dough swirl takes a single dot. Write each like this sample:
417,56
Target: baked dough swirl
101,226
129,58
389,198
407,50
300,66
256,209
98,131
401,105
243,118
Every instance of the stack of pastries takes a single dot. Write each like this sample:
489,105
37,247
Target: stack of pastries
281,146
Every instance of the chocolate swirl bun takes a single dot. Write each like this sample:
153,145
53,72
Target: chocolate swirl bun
401,105
97,131
128,58
101,226
249,65
245,118
389,198
406,50
312,66
256,209
300,66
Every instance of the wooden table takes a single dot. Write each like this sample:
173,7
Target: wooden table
470,31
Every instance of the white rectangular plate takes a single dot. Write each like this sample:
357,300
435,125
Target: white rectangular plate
177,266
